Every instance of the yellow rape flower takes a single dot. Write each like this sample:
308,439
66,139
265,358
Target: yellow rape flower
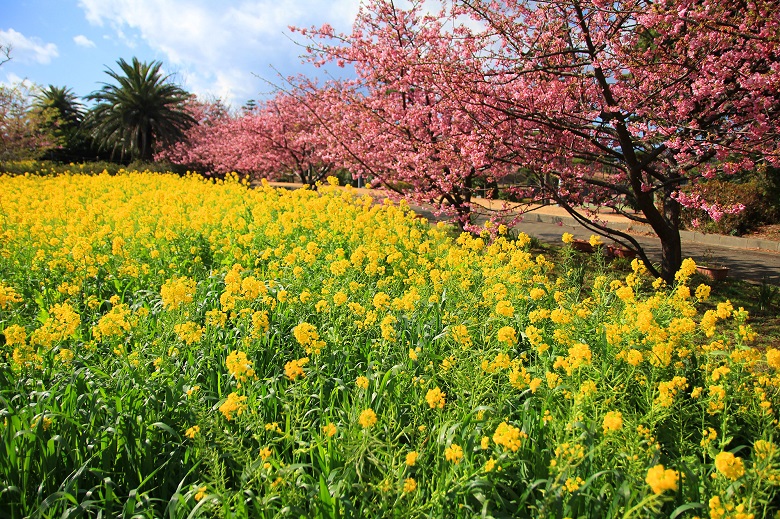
687,268
15,335
239,366
764,449
66,355
508,436
661,480
177,291
200,494
308,337
294,368
233,405
411,458
8,296
773,358
454,453
633,357
613,421
329,429
381,301
339,298
729,465
63,322
189,332
505,309
367,418
508,335
460,334
435,398
702,292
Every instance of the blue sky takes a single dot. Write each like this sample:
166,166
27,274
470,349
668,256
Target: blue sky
213,48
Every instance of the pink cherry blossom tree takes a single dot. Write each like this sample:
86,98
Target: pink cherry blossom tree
278,137
27,131
620,104
194,150
393,122
623,103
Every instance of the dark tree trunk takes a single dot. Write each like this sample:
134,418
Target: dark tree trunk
665,224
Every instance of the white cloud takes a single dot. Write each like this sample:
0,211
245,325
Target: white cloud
28,50
218,46
12,80
83,41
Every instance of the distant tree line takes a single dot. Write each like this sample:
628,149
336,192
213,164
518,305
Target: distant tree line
138,113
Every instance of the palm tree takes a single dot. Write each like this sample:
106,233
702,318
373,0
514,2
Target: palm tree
69,108
64,114
143,111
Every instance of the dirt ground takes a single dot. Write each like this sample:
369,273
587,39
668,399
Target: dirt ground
767,232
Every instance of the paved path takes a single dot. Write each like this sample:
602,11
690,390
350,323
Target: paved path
753,265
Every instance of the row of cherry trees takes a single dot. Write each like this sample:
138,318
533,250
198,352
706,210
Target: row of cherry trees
602,103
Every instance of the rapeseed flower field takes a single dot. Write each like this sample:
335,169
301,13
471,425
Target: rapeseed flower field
181,347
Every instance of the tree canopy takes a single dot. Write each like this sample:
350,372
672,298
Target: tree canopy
142,111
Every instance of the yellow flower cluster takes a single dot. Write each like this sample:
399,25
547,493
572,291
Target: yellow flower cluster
239,367
115,323
188,332
367,418
507,335
727,510
7,296
661,479
177,291
435,398
613,421
668,389
294,368
234,405
508,436
329,429
411,458
307,336
729,466
460,334
62,323
453,453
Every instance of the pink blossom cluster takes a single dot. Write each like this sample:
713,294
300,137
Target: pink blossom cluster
714,210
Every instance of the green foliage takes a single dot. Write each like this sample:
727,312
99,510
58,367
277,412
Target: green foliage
66,124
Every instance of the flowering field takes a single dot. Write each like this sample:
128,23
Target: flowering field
182,348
